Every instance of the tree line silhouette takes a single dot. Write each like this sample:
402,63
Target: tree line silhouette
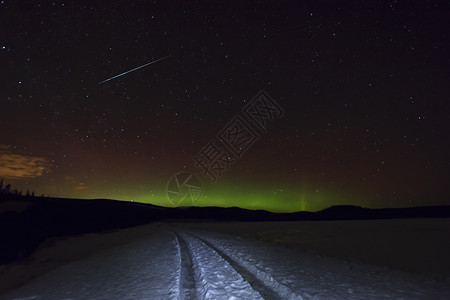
6,190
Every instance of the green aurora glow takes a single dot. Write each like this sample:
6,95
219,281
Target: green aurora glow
269,198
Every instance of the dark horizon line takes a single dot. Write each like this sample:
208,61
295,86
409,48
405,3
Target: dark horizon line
212,206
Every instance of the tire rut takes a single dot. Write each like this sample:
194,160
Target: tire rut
259,286
187,281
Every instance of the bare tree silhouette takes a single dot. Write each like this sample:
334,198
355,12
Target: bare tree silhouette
7,189
8,192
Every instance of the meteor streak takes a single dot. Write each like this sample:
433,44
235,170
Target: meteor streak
152,62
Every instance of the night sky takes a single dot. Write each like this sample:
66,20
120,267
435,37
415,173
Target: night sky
362,88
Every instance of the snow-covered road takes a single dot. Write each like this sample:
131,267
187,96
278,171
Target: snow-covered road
177,263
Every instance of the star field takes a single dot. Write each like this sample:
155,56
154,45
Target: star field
363,87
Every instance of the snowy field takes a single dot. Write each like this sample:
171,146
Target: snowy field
420,246
386,259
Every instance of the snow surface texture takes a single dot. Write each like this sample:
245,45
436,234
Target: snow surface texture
146,269
173,262
419,246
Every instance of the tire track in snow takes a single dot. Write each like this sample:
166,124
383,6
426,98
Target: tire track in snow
264,290
215,277
186,277
261,279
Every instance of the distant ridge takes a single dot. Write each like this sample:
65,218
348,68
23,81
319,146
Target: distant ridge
350,212
22,230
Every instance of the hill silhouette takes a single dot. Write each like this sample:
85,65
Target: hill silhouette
25,222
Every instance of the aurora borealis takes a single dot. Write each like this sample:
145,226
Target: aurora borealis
363,87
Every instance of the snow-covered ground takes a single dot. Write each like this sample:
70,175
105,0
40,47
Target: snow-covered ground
226,261
419,246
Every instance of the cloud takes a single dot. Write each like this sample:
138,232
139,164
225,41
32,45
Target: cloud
20,166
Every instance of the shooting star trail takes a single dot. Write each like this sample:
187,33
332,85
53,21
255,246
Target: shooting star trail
152,62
